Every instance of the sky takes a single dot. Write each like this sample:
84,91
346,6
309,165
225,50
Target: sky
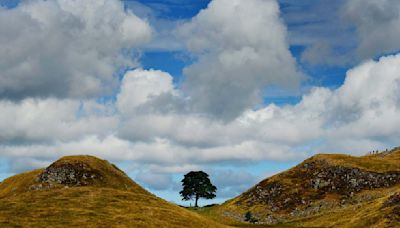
240,89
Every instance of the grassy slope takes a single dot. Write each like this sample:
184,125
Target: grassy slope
113,201
92,206
118,201
365,214
112,177
213,214
375,163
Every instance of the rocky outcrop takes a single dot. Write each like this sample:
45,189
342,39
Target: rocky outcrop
274,195
68,174
311,182
326,183
346,180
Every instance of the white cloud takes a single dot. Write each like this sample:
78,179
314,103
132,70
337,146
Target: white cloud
140,86
361,115
164,38
365,109
66,48
316,25
377,25
367,106
49,120
184,127
241,48
343,32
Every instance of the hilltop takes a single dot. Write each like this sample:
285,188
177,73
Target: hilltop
323,191
326,190
84,191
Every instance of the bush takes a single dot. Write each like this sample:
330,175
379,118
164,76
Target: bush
248,217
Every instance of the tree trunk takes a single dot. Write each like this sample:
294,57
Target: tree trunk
197,198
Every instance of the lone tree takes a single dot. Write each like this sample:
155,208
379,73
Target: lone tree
197,185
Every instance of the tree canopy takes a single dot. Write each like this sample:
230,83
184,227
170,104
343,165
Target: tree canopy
196,184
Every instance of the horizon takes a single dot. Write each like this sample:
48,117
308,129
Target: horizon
239,89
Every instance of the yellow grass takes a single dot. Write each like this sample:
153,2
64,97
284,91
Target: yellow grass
368,214
375,163
115,201
364,214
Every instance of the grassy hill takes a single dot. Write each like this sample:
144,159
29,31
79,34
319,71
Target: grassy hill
326,190
84,191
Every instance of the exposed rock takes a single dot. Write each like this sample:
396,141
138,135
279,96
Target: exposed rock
270,219
233,215
314,180
313,208
346,180
68,174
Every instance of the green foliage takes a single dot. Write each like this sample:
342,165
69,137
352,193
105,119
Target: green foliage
197,185
248,217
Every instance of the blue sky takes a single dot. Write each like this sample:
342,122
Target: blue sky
240,89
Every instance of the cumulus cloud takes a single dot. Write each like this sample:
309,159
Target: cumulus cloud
316,26
241,48
360,115
50,120
216,140
141,86
66,48
377,25
343,32
363,110
366,107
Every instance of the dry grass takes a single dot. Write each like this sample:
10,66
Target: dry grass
114,201
361,214
374,163
112,177
214,213
18,184
117,201
367,214
94,207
